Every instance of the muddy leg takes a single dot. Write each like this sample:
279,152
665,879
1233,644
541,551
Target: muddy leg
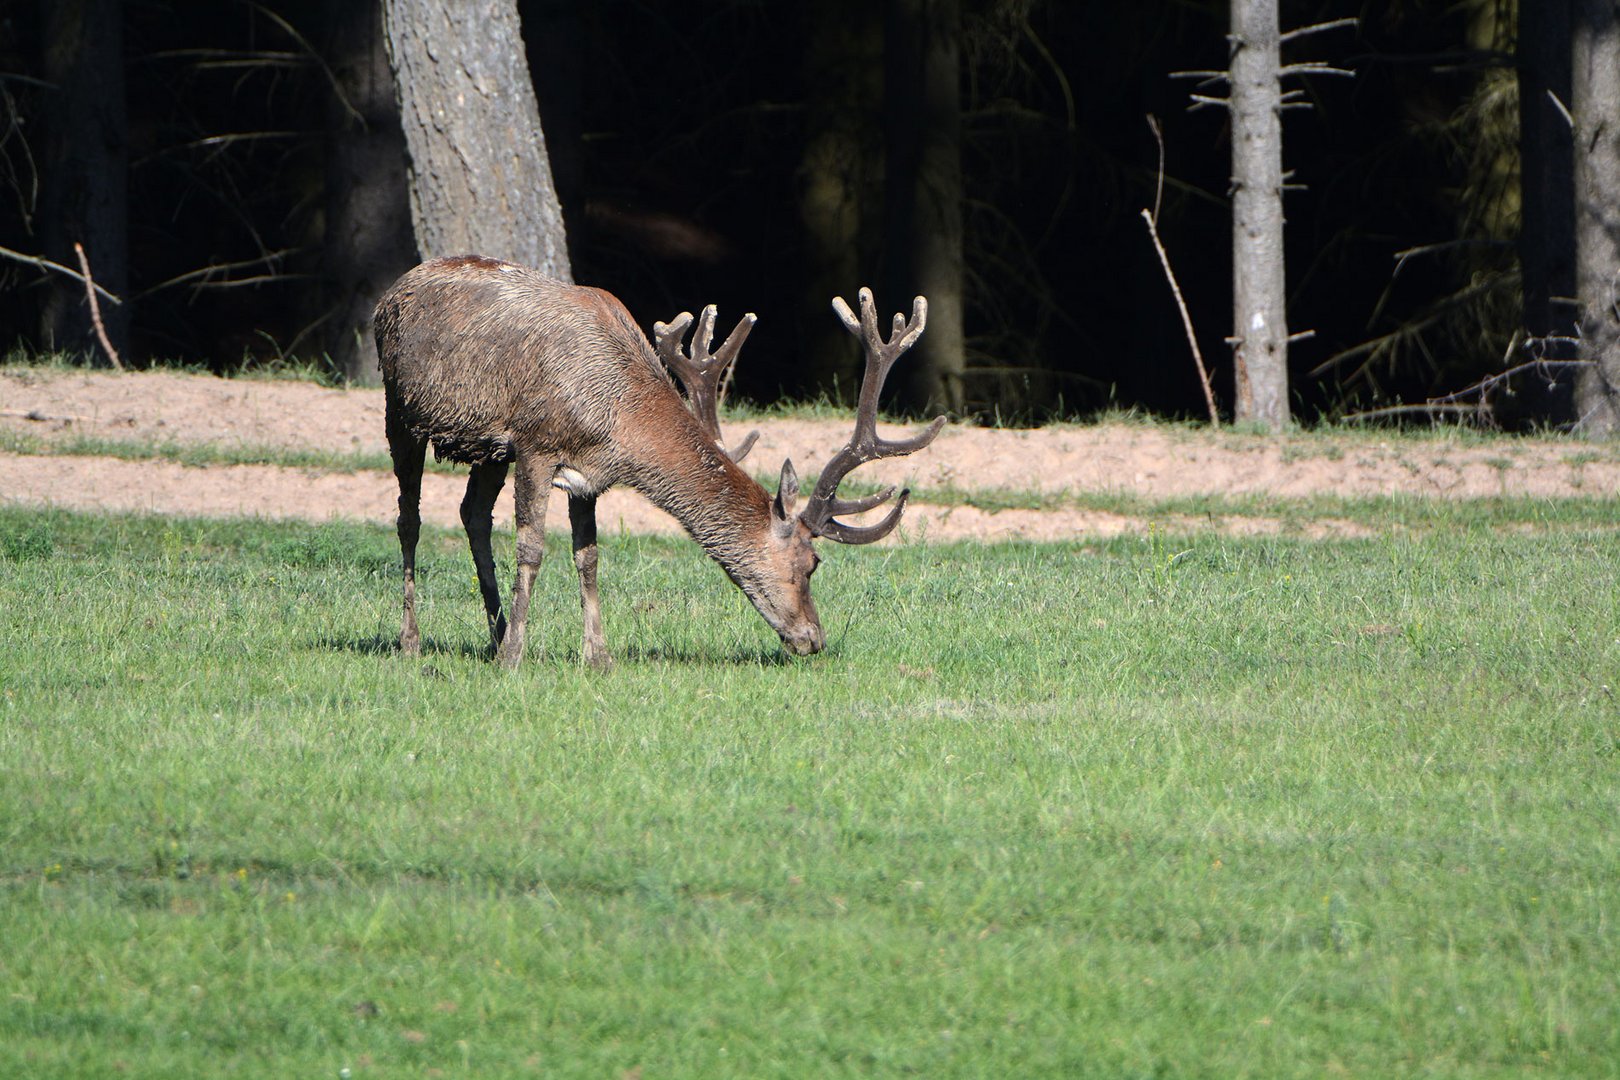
477,514
532,491
582,516
407,452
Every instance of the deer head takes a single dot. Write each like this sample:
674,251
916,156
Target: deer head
781,589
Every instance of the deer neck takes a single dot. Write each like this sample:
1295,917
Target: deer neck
682,472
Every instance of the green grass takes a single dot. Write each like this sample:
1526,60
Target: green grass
278,367
1159,806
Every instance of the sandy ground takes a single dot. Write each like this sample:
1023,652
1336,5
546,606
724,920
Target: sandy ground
1144,460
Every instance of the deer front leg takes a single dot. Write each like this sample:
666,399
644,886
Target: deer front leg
407,453
477,514
532,490
582,517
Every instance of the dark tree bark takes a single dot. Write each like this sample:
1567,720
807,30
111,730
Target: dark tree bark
1259,280
1596,107
368,239
85,169
923,189
1547,186
841,166
480,182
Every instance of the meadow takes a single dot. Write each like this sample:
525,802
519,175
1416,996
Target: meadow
1161,806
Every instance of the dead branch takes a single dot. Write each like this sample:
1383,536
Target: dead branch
1430,410
95,307
1322,27
46,264
1175,287
315,56
271,257
1314,69
1491,382
43,417
1563,110
1377,345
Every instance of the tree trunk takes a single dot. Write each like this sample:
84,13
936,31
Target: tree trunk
923,189
841,165
1259,282
84,174
368,239
1546,197
1596,107
480,182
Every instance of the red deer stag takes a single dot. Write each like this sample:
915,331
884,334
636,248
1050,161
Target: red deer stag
496,364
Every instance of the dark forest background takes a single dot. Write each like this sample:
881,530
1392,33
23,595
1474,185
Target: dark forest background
678,135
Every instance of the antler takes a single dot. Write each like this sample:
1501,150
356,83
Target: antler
864,445
702,372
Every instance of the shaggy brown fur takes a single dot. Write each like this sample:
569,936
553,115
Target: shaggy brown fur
495,364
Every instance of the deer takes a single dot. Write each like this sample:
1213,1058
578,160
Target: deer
502,368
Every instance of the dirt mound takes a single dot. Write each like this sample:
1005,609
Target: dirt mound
1154,462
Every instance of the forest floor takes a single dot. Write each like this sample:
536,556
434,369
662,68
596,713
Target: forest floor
197,445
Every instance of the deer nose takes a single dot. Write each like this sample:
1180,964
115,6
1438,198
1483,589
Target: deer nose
807,641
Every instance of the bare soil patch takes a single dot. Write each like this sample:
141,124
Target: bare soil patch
1154,462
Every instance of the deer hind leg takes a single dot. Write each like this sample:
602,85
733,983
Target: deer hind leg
532,491
477,514
582,517
407,452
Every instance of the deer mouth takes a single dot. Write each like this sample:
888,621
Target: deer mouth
806,641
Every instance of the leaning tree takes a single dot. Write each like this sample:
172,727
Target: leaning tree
479,177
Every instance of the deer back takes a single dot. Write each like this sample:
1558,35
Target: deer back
477,355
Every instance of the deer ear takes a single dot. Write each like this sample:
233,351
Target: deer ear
787,492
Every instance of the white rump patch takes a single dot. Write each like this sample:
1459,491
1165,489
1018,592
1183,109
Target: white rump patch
572,481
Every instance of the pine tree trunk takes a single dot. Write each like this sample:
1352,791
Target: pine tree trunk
84,172
841,166
1547,219
923,190
1596,106
1259,281
368,239
480,182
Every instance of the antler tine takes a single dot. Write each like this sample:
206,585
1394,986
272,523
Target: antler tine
701,372
865,445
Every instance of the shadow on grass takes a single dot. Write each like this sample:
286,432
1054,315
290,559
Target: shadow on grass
757,656
388,645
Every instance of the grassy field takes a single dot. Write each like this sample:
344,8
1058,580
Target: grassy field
1161,807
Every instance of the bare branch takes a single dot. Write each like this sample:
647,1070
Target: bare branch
1562,110
331,76
1186,321
1486,385
42,417
217,268
95,307
1411,410
1314,69
1322,27
46,264
1158,185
